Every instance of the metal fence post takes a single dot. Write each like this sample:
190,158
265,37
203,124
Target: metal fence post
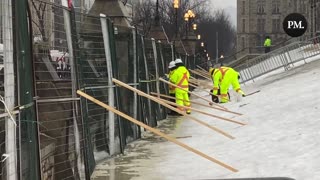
135,79
26,93
249,69
147,78
172,51
106,41
9,89
67,25
155,54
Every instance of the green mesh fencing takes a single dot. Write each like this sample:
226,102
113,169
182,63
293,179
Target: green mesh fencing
61,135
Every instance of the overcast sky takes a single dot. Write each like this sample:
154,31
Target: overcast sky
230,7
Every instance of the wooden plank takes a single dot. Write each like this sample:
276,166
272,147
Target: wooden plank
155,131
172,108
210,103
203,112
200,104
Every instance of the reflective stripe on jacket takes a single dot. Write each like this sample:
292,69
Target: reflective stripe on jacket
180,77
222,74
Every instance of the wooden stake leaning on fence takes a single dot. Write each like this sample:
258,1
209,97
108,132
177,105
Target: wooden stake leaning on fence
169,83
200,104
200,68
198,87
155,131
203,84
171,108
199,74
202,112
205,73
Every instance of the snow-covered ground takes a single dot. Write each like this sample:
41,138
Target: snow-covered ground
282,138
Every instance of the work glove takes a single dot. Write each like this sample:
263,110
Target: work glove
165,78
242,93
215,98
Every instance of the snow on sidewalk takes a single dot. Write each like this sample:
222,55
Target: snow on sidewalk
282,138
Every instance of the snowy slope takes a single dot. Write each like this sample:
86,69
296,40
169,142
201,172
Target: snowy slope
282,138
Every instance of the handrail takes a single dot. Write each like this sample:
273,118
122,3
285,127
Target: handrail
284,57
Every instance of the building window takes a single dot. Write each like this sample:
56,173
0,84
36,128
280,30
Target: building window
243,40
243,8
275,25
289,3
303,8
259,41
275,6
261,5
261,25
243,25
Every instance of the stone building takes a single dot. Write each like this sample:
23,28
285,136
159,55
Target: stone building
257,19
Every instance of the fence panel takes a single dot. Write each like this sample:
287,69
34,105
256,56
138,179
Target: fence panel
60,125
69,52
284,57
126,59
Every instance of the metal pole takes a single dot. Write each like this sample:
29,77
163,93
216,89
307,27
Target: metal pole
147,78
9,89
155,53
26,93
176,14
106,40
173,50
217,46
67,25
135,78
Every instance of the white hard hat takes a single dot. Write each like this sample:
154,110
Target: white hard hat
172,64
178,61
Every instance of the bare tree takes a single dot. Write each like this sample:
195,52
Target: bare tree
39,10
209,22
143,15
218,23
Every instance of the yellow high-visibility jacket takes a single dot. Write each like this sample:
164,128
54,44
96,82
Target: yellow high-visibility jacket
172,89
180,77
225,74
267,43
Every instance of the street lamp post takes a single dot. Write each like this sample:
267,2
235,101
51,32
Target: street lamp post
176,7
188,17
217,46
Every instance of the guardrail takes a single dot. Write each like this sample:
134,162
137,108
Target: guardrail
284,57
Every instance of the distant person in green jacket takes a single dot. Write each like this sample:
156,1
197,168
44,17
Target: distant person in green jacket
267,44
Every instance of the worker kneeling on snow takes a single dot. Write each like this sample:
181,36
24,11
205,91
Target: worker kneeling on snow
222,78
180,77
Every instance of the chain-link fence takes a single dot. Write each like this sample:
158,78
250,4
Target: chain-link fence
54,134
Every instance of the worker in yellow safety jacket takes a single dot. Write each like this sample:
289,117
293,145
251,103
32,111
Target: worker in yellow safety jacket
267,44
172,90
180,77
222,78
